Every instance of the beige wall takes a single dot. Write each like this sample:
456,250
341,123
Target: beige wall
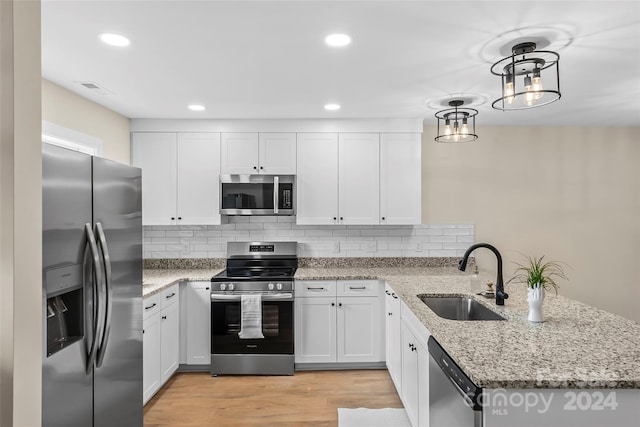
64,108
570,193
21,301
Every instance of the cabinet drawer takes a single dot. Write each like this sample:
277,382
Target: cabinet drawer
151,305
315,288
361,288
169,296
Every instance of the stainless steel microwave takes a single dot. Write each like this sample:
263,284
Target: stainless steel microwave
257,194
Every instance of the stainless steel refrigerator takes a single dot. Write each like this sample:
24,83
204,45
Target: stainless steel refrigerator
92,291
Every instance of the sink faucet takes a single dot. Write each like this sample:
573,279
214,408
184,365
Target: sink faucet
462,265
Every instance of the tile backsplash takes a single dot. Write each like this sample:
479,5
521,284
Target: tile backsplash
210,241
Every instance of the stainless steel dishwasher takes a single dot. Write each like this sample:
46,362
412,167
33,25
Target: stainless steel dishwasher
453,397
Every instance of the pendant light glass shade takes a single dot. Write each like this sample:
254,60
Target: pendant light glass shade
456,124
522,78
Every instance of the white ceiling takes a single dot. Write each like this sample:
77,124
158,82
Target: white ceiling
267,59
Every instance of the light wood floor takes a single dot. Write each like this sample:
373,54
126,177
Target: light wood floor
304,399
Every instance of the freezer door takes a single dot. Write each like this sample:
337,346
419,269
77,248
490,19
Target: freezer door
117,210
67,306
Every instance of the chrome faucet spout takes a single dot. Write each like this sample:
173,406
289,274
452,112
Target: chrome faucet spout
501,295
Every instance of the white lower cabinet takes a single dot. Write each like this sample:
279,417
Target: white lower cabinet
338,321
407,357
161,339
198,323
392,336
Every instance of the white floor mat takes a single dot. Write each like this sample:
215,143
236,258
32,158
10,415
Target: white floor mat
363,417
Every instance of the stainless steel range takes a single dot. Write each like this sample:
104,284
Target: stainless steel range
252,310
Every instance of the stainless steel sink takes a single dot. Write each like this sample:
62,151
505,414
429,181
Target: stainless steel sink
459,308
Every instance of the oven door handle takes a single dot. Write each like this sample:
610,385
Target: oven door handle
265,297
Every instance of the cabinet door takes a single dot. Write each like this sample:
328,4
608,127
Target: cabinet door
198,338
409,395
317,178
315,336
151,356
359,159
169,341
239,153
277,153
359,327
393,337
400,178
198,178
155,154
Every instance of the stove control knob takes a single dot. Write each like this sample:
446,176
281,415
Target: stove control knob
279,286
223,286
270,286
231,286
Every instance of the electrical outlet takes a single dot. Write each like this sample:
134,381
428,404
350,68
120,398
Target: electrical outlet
418,247
370,246
336,247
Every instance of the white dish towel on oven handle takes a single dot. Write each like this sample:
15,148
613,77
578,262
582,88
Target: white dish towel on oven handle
251,317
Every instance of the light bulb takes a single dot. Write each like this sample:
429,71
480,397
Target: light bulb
465,127
537,83
509,89
529,96
447,129
456,131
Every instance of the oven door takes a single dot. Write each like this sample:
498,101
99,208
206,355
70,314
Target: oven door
277,325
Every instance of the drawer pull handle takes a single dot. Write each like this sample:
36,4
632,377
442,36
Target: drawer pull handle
151,306
359,288
315,289
170,296
395,296
164,317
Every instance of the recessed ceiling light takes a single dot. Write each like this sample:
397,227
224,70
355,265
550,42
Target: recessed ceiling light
114,39
196,107
337,40
332,107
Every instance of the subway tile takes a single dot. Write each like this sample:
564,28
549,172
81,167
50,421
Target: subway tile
165,240
457,232
261,218
250,226
442,239
277,226
208,233
465,239
179,233
153,233
428,232
235,233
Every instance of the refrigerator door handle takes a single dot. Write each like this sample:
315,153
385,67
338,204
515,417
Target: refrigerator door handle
96,279
102,242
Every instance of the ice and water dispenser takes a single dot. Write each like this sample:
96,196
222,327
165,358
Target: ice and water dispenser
65,307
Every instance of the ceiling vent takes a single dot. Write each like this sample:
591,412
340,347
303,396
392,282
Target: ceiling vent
95,88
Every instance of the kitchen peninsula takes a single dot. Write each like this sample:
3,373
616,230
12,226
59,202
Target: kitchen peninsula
580,364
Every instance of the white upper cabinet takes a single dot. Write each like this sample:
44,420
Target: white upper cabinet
400,178
198,178
253,153
277,153
359,178
180,177
338,177
155,154
317,178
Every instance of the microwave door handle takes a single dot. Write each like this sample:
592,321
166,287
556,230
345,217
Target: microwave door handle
276,193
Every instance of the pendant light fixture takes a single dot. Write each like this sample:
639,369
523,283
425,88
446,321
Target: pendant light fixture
456,124
522,78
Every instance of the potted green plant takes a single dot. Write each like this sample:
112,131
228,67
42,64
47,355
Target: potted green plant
538,275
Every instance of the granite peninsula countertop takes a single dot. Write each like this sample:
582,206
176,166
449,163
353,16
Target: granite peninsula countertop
578,346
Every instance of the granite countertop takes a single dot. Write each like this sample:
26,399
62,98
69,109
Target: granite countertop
578,346
156,279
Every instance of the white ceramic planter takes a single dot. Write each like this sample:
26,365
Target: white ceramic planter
535,298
